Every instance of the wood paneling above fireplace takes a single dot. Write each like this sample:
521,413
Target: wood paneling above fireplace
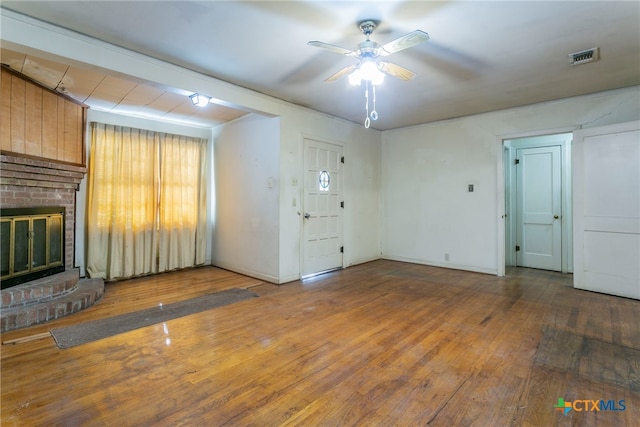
38,122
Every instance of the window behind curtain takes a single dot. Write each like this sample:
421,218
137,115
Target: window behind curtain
146,207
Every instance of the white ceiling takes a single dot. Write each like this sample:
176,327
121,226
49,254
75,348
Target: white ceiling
481,56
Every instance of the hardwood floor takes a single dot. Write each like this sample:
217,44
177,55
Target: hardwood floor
379,344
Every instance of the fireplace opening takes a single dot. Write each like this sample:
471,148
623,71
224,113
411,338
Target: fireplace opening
31,244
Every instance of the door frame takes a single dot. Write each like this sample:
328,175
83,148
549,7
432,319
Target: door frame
301,197
506,193
522,216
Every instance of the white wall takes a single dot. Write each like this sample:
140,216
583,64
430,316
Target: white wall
426,209
116,119
247,197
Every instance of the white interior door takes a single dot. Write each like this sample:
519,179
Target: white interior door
607,209
322,223
539,208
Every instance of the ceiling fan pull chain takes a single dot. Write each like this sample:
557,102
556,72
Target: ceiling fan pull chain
367,121
374,113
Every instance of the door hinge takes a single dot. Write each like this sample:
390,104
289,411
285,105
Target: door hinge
517,248
342,204
341,249
342,159
517,162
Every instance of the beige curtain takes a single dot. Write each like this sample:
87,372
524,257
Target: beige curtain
183,207
146,205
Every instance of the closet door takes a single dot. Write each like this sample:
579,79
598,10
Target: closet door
606,189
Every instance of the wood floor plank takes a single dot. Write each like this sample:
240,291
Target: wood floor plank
379,344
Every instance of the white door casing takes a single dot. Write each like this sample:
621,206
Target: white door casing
322,211
539,208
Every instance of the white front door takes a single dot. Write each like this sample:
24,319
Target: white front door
322,222
539,208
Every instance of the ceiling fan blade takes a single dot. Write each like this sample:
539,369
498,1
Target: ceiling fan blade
341,73
408,40
331,47
396,71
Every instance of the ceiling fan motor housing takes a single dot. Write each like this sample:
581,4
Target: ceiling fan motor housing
368,49
367,27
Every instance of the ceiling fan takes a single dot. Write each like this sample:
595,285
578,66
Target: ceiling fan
369,51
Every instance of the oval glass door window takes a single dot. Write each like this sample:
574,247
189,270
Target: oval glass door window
324,180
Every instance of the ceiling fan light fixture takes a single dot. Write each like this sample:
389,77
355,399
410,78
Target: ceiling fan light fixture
371,72
200,100
367,70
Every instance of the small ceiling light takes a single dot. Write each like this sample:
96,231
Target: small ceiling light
200,100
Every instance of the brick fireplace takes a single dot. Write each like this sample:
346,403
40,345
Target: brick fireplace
35,183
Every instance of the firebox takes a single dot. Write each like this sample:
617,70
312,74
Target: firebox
32,244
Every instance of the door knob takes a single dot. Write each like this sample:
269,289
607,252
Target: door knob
556,217
307,216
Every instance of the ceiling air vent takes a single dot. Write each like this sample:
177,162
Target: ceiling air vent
584,56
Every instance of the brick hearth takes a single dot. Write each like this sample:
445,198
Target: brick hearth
48,298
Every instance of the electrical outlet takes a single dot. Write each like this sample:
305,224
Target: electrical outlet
446,257
470,188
